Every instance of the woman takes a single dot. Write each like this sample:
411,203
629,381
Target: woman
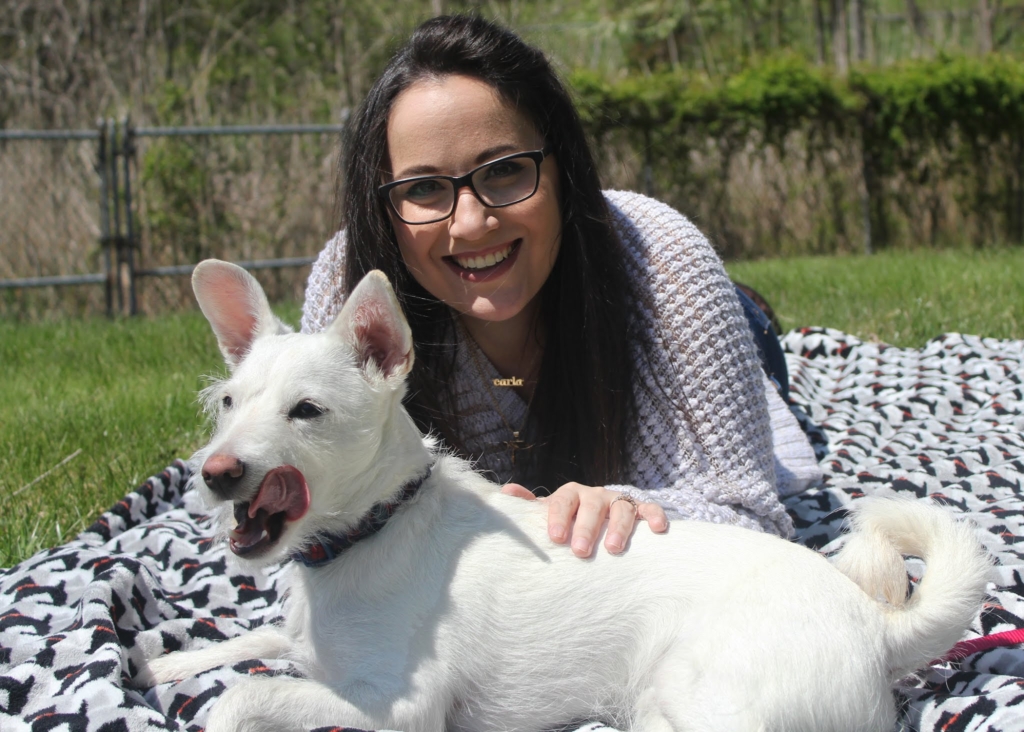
574,342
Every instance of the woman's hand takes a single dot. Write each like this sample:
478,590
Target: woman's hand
579,511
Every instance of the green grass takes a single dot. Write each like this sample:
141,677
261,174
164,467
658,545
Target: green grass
120,396
900,298
88,410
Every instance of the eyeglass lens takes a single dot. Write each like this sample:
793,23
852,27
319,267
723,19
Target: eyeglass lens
499,183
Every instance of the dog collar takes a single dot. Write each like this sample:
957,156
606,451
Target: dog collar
326,548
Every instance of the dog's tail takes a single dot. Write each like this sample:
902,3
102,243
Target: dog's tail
926,625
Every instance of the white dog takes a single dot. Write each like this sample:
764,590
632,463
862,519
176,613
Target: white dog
460,614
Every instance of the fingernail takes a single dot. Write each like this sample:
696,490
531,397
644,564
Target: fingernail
557,533
614,543
580,547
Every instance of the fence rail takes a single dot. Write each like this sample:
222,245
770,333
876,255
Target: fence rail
53,281
49,134
236,130
186,269
116,169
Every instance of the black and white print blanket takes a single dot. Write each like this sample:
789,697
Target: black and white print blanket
944,422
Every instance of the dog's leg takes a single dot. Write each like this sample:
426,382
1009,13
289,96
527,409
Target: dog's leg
686,713
265,642
648,716
682,698
282,704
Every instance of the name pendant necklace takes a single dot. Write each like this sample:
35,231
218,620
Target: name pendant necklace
516,443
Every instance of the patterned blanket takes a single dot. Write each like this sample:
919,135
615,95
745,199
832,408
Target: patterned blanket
944,423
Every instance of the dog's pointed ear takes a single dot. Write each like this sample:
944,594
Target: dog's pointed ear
372,321
236,306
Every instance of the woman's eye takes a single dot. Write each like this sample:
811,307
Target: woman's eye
423,189
306,410
226,402
504,169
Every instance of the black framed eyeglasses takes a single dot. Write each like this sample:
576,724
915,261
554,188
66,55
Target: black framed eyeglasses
428,199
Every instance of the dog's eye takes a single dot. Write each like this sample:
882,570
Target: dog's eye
306,410
226,402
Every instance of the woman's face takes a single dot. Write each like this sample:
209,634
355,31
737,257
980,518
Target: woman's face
449,126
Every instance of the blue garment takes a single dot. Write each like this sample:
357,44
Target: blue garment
768,347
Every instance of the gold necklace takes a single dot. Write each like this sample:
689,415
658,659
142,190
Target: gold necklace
516,443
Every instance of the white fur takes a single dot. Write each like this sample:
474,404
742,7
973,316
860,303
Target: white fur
461,614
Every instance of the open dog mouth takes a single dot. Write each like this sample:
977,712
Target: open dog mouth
283,496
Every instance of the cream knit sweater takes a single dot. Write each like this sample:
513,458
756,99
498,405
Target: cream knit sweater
709,432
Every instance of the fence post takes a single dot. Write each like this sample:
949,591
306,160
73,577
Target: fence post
105,243
128,154
116,146
115,198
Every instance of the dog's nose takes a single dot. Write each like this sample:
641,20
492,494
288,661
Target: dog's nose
223,474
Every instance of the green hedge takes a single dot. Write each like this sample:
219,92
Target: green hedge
949,117
780,95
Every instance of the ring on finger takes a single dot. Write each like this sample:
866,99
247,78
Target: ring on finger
630,500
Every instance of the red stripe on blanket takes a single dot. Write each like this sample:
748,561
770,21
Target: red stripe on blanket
985,643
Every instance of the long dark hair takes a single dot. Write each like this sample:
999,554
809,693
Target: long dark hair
583,404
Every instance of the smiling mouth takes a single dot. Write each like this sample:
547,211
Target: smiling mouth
478,263
283,496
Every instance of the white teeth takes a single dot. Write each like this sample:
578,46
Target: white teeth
488,261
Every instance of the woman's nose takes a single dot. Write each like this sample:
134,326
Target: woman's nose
471,219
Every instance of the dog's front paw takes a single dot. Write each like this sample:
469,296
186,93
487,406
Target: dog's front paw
144,677
160,670
174,667
253,706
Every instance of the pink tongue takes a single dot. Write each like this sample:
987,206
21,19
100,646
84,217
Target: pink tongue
283,490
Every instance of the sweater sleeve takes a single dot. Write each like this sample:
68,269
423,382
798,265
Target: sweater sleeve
703,448
325,288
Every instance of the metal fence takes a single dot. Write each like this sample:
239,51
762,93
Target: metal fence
84,211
